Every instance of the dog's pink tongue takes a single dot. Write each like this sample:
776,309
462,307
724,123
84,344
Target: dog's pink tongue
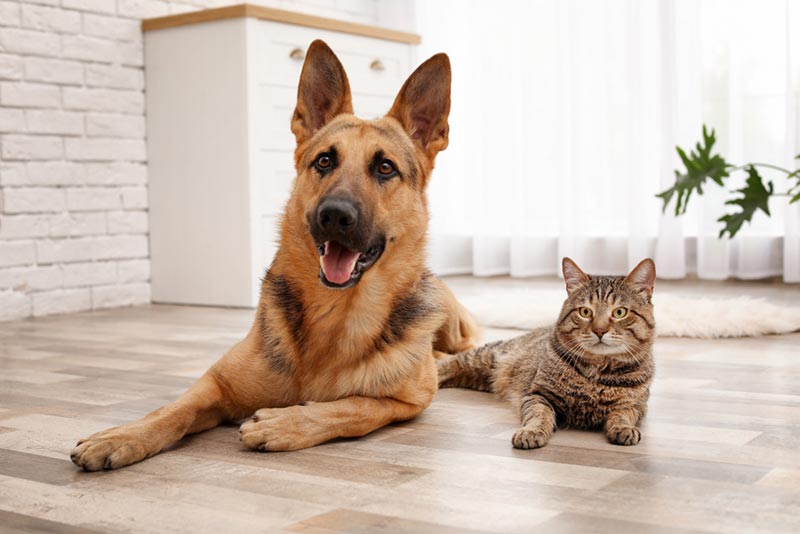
338,262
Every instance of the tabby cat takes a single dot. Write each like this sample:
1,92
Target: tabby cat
591,370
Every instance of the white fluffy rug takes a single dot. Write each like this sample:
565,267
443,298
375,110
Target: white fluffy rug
676,316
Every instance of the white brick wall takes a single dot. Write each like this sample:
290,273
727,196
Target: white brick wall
73,164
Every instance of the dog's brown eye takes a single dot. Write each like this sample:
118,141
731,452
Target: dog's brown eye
386,167
324,161
382,168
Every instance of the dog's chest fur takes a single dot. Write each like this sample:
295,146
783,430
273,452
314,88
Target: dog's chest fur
327,350
376,375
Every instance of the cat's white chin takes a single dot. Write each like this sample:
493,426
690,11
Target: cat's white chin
606,349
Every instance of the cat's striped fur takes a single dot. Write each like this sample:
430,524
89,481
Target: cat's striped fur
591,370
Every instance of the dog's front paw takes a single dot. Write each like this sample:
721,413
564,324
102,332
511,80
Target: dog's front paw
530,438
278,429
624,435
110,449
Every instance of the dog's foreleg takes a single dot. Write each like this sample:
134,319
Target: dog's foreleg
302,426
201,407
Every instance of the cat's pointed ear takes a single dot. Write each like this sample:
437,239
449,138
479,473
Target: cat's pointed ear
643,276
322,94
423,105
573,276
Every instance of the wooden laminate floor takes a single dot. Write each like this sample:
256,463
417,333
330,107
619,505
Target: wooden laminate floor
720,452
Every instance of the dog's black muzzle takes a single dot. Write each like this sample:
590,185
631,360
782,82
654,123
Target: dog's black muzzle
340,227
340,219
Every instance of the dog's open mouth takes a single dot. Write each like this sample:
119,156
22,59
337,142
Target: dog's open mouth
342,267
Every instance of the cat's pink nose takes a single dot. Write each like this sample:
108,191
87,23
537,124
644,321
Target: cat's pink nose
600,332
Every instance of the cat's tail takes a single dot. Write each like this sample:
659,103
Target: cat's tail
472,369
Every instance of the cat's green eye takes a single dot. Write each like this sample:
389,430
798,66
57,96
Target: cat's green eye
619,313
585,312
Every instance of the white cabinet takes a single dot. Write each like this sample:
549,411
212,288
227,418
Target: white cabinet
220,96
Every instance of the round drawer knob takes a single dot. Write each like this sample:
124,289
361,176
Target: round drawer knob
297,54
377,65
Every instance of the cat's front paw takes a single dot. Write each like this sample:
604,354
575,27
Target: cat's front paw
624,435
530,438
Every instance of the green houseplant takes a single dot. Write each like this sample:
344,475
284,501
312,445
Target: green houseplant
701,164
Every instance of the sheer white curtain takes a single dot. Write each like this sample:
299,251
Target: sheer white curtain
564,121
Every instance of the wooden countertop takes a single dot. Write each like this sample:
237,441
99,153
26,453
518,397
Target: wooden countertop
278,15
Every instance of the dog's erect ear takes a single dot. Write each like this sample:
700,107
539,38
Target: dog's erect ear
323,92
573,276
423,104
643,276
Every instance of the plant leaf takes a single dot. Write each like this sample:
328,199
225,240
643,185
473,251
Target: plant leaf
795,189
754,197
700,165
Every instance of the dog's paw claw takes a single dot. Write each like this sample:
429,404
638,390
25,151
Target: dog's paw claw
109,450
277,429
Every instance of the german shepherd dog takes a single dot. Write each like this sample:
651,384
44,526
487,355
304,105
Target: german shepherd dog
349,322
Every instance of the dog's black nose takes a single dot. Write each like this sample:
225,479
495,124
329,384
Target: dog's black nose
337,215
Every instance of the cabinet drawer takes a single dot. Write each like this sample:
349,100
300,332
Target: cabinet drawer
271,117
371,106
270,240
272,179
273,107
373,66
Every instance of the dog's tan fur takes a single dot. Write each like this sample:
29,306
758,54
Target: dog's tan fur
320,363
